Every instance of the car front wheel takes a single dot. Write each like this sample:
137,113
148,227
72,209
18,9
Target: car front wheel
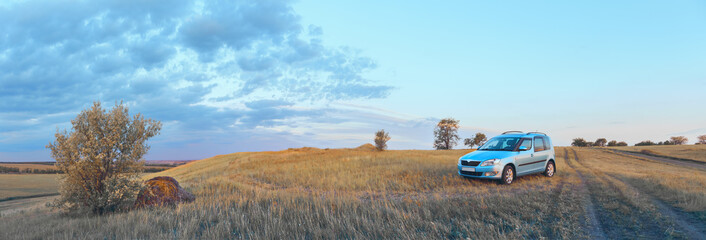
508,175
550,170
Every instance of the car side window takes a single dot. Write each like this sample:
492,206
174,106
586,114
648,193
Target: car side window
538,144
526,142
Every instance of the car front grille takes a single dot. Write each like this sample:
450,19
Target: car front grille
472,173
470,163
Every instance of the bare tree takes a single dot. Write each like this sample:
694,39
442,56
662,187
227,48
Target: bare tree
445,134
102,159
381,138
702,139
600,142
679,140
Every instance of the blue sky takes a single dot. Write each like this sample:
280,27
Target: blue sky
229,76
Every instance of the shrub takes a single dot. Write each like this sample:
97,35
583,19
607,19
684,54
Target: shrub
645,143
612,143
579,142
478,140
600,142
468,142
679,140
9,169
101,158
702,139
622,144
381,138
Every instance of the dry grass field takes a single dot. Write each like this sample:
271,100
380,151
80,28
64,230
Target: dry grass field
23,185
359,193
694,152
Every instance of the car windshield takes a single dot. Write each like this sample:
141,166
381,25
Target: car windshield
501,144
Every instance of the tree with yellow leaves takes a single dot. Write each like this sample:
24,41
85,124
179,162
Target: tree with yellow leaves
102,158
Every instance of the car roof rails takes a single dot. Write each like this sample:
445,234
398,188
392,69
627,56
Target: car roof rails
537,133
511,132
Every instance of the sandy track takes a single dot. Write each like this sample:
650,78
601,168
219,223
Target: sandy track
17,205
594,227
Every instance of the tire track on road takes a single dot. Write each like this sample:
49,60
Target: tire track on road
681,162
693,231
595,228
676,215
622,195
28,197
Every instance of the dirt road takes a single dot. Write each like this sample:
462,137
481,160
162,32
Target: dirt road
610,197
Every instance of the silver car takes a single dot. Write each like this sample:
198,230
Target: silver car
510,155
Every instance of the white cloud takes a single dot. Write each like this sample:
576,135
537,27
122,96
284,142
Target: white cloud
199,66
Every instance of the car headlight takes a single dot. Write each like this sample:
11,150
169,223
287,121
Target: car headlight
490,162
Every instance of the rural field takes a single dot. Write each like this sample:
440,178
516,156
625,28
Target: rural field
27,185
362,193
151,166
692,152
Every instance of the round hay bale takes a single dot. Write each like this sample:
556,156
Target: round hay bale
160,191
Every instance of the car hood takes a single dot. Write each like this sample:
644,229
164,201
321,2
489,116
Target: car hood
485,155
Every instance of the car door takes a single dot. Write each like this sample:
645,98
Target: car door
524,157
540,155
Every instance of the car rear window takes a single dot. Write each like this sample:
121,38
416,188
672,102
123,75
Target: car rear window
547,143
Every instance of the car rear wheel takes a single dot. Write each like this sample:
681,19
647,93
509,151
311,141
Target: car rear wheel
508,175
550,170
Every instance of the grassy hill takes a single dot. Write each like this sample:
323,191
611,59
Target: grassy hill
361,193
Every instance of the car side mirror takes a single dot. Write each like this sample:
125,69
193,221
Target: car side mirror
523,148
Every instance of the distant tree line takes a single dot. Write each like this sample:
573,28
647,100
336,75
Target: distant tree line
28,170
614,143
679,140
446,136
154,170
9,170
601,142
56,171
